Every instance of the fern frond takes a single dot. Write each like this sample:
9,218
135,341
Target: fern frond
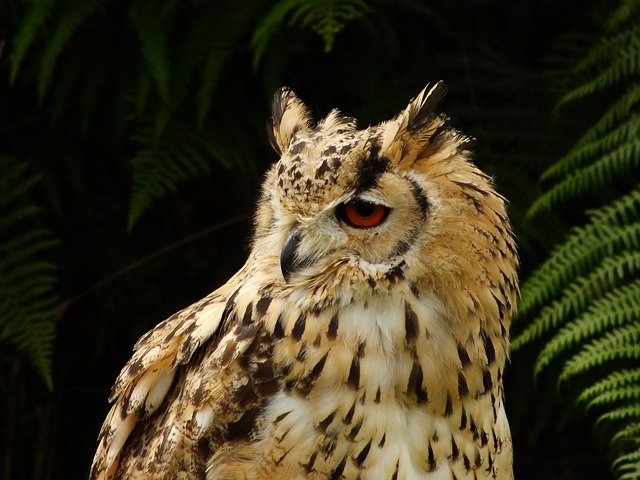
269,25
629,393
610,229
577,295
24,38
582,251
628,10
624,158
584,153
616,380
622,342
148,24
157,169
621,52
27,299
615,309
627,465
328,17
222,37
618,113
68,22
325,17
622,413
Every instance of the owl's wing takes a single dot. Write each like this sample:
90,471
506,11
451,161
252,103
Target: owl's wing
145,380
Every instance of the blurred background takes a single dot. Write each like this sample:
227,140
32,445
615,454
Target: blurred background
133,144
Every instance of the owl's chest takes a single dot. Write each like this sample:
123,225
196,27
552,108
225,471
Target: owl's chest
357,403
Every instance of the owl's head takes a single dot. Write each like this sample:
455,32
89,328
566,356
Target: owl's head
360,210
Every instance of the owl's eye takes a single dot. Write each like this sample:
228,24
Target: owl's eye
362,214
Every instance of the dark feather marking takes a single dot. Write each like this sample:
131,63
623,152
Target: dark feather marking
377,399
463,420
448,409
465,460
349,416
471,186
396,273
354,431
362,456
246,318
308,467
415,382
281,417
229,350
473,428
431,460
410,323
324,424
246,332
305,384
337,472
395,472
267,388
298,328
484,439
370,169
463,388
279,460
354,373
278,330
332,331
244,425
262,306
487,382
488,347
455,452
322,169
298,147
420,197
463,355
382,440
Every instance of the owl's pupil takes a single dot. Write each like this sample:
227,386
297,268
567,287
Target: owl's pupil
364,209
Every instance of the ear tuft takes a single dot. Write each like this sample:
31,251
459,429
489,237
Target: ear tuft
421,109
289,115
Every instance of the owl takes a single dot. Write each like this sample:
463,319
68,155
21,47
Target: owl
366,335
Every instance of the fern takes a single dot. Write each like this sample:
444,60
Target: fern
148,24
27,32
586,295
27,299
326,17
614,309
622,384
159,167
67,23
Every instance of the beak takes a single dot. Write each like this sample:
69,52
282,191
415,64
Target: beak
288,261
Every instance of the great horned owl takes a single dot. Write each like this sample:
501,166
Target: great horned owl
364,338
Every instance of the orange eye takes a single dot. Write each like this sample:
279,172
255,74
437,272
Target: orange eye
361,214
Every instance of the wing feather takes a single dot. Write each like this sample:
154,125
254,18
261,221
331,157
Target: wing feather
143,383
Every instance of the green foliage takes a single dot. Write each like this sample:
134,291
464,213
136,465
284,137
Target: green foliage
27,279
587,294
326,17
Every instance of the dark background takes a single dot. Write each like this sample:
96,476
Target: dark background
134,79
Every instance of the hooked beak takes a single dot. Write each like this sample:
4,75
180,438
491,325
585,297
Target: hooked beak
288,258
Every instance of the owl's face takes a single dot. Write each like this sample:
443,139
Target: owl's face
360,208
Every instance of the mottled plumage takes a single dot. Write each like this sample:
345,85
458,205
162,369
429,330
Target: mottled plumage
364,338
